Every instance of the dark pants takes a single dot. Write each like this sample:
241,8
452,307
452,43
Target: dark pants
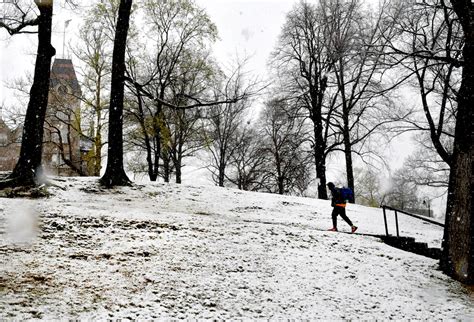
342,212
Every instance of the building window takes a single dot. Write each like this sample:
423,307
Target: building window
62,89
55,159
64,134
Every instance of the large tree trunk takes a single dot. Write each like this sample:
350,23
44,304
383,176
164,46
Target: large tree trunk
321,176
221,174
114,173
458,242
317,96
320,160
281,185
27,171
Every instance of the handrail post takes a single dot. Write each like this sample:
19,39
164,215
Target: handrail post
414,216
396,223
385,220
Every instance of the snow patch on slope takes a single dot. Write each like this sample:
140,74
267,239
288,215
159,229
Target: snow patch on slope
177,251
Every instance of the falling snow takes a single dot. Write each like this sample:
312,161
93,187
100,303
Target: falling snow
176,251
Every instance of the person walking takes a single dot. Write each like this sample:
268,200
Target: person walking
339,208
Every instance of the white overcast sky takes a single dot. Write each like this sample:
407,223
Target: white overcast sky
247,27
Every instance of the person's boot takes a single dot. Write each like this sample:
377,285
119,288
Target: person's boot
353,229
333,229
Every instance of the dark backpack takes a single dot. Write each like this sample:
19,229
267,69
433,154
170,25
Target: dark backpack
347,194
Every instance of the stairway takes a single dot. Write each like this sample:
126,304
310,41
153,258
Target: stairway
410,245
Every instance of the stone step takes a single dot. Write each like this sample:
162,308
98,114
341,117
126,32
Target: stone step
409,244
398,241
417,247
434,253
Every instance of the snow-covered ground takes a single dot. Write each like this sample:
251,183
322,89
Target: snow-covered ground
176,251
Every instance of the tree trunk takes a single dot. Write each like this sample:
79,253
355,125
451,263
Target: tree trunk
221,174
178,161
348,156
28,168
280,178
166,166
349,170
221,168
321,176
346,132
458,242
178,167
155,166
281,185
141,121
157,156
320,160
97,159
68,159
221,177
114,173
98,152
317,96
151,173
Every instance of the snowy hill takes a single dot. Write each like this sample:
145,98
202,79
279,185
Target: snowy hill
176,251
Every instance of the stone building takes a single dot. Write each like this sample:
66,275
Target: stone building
10,141
64,148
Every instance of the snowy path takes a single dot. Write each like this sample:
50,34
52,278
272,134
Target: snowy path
168,251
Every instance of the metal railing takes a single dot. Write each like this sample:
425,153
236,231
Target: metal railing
405,213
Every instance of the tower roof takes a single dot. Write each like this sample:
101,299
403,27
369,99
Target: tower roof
63,72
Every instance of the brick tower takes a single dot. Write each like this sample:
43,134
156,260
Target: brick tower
64,145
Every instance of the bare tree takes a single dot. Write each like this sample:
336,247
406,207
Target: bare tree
183,140
194,76
428,47
442,42
180,30
28,168
94,51
223,123
425,165
457,259
285,140
63,130
357,42
403,192
248,163
304,61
